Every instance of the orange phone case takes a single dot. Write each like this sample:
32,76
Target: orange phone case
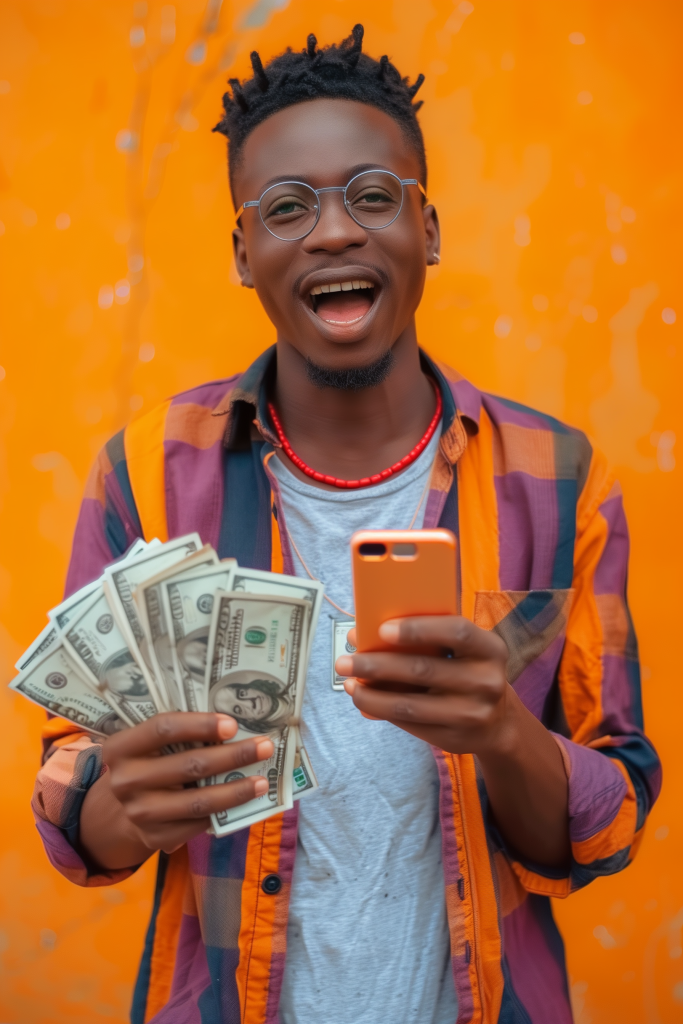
397,583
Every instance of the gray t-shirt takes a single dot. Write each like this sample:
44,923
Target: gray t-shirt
367,939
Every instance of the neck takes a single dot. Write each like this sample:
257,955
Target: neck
353,434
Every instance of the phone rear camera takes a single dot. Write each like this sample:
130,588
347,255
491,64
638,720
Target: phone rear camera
404,551
372,550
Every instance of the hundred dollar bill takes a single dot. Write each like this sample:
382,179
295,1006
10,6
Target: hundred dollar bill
46,639
256,581
59,615
303,776
120,581
53,682
255,671
100,651
188,605
156,623
64,612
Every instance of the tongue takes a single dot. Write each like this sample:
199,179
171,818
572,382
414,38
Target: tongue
343,307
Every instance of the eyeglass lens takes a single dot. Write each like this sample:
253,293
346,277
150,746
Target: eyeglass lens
290,209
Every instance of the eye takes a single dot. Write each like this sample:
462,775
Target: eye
372,195
286,206
375,196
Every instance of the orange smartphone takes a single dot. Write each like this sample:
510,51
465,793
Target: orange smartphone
397,573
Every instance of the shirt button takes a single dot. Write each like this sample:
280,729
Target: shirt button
271,885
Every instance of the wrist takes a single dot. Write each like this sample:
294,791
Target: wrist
504,744
107,835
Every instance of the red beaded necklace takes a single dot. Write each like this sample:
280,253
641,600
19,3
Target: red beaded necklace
366,481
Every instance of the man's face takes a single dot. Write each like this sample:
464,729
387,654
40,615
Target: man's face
194,657
324,143
126,679
244,702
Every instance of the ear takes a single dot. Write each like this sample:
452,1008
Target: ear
239,249
432,235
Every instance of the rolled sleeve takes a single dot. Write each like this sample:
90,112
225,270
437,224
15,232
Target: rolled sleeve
107,525
60,789
613,772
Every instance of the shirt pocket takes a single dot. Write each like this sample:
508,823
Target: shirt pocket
527,620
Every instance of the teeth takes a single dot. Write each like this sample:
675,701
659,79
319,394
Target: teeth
342,286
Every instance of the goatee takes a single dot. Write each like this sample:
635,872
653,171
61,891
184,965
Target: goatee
352,378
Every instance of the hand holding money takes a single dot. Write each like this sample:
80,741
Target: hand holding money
155,800
169,633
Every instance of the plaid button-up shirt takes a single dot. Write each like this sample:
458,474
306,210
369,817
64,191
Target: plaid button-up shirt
543,550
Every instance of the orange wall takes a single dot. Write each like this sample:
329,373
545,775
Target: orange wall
556,170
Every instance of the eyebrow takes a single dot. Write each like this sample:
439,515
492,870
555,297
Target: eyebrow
352,172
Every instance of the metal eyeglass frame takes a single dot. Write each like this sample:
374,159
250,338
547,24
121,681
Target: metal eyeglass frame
332,188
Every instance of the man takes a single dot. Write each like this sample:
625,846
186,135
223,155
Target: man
416,887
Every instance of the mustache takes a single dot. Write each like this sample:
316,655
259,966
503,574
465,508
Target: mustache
336,265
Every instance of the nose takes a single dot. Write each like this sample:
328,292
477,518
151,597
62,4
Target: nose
336,230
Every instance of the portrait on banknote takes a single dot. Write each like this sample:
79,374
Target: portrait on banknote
192,650
121,674
259,703
109,724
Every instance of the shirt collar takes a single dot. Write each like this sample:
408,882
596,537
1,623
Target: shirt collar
246,405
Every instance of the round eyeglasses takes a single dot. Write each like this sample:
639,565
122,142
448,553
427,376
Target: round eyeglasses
291,209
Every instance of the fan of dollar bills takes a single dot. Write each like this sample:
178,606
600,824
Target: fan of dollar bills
171,627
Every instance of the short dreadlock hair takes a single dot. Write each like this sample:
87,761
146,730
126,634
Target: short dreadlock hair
337,72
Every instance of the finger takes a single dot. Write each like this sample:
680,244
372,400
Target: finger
349,686
165,729
351,636
170,838
452,631
463,714
152,773
152,809
440,735
460,675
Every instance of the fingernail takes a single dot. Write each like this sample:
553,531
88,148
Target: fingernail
226,727
390,631
350,686
264,749
344,665
260,787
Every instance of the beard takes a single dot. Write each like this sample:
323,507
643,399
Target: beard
353,378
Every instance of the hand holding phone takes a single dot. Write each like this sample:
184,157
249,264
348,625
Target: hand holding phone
418,663
431,672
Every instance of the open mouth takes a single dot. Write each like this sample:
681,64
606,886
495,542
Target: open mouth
344,302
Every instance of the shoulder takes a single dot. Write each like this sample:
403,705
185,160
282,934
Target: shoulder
533,442
187,417
209,394
195,417
525,440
